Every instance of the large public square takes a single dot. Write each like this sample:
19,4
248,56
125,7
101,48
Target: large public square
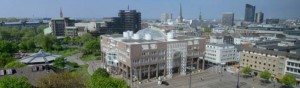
209,79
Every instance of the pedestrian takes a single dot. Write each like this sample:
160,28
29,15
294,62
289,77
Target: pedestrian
201,79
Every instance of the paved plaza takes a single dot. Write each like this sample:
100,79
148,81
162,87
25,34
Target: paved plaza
210,79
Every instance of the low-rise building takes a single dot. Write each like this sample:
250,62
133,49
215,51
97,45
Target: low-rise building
278,63
221,54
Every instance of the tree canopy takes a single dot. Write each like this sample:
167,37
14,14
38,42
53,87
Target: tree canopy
265,75
14,64
289,79
246,70
91,46
101,79
59,62
14,82
101,73
61,80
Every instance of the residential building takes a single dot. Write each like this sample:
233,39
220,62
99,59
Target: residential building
259,17
224,54
228,19
151,53
249,13
166,17
276,62
272,21
91,27
260,60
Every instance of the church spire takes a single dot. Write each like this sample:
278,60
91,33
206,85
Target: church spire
61,13
128,7
180,19
200,16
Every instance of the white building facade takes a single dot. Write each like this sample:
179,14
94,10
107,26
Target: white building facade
221,54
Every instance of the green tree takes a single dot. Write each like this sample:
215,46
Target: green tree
62,80
59,62
247,70
265,75
14,64
289,79
101,73
5,58
47,42
86,37
91,46
8,47
67,40
101,79
207,30
180,28
14,82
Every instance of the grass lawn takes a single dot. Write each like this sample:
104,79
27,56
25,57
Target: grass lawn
66,52
83,71
90,57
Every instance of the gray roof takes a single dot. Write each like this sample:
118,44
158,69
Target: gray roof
271,52
219,45
282,48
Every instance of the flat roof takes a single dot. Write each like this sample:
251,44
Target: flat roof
219,45
271,52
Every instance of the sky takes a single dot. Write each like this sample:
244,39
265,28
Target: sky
150,9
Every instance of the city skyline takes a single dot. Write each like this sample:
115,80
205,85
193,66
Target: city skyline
149,9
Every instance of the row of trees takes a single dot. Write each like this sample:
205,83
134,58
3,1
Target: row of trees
101,79
288,79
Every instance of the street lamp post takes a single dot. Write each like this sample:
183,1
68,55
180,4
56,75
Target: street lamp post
238,81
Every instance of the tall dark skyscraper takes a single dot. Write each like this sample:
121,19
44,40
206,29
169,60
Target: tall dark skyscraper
131,20
228,19
259,17
127,20
249,13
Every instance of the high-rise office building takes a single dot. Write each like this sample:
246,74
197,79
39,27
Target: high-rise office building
228,19
131,20
128,20
249,13
164,17
58,25
259,17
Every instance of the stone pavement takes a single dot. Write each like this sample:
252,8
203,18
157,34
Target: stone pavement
211,79
76,58
92,65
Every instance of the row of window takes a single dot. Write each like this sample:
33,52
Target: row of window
210,58
293,64
262,54
264,68
146,60
260,62
145,53
227,59
293,70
